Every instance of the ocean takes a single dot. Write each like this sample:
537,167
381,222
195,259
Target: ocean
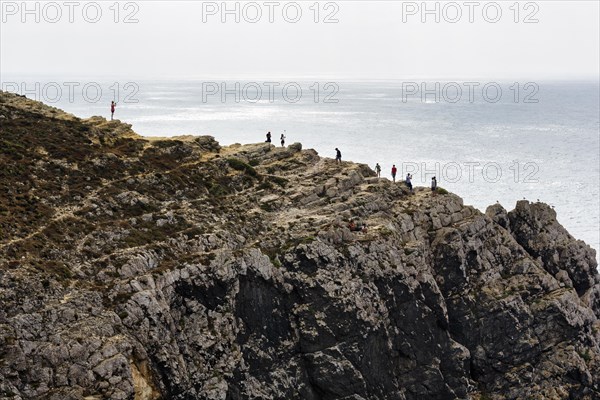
485,141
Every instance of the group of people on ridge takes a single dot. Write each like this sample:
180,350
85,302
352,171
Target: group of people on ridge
408,179
338,158
282,139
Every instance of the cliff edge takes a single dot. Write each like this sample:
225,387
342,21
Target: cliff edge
133,268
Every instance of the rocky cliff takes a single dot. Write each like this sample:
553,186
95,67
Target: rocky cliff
179,269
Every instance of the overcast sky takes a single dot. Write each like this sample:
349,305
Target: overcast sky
370,40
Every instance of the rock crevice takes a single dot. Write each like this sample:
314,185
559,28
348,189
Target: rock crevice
175,268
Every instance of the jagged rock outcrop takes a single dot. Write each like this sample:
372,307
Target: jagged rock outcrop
176,269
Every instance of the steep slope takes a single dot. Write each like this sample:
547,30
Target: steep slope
178,269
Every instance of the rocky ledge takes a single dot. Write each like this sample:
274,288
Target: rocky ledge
133,268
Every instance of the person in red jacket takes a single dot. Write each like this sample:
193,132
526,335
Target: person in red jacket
394,170
113,105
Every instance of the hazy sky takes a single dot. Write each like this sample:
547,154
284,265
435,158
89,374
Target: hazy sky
370,40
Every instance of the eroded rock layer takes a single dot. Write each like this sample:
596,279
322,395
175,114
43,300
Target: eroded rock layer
179,269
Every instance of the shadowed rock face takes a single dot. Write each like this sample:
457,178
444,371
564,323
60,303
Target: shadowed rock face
177,269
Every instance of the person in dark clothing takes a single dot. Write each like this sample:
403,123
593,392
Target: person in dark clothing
282,140
113,105
409,182
338,155
394,170
434,185
268,137
378,170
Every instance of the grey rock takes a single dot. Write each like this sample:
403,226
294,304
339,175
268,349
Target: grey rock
173,275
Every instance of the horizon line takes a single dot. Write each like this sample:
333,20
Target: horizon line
266,78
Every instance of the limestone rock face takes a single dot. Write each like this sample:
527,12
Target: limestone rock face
180,269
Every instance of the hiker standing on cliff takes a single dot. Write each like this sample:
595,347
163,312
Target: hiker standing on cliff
408,182
338,155
378,170
394,170
282,139
268,137
113,105
433,185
